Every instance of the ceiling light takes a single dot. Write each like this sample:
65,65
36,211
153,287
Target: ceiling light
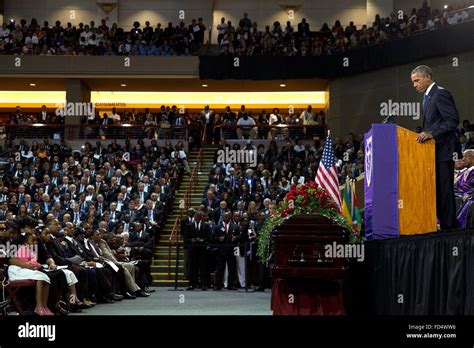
445,7
282,85
204,85
33,84
123,85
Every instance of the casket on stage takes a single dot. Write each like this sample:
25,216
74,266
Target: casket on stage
306,274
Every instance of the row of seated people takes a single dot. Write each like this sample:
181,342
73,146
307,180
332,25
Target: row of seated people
157,125
182,39
74,268
89,39
91,193
287,40
170,115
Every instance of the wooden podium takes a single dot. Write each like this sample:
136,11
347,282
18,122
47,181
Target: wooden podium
399,183
305,280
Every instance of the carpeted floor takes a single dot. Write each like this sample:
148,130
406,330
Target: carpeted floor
197,302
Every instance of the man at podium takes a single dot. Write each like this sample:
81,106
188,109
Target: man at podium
440,119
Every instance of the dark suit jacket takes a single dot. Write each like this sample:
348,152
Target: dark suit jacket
184,224
303,29
144,214
214,203
204,232
440,118
43,207
217,214
58,252
232,230
144,240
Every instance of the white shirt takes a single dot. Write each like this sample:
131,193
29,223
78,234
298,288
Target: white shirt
222,27
86,34
427,92
181,154
246,122
115,116
273,119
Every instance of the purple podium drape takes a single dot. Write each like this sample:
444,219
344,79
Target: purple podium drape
381,182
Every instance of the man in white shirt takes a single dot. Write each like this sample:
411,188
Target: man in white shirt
180,154
308,116
221,30
86,34
115,116
207,118
245,120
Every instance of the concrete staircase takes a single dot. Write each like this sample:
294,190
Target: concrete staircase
163,271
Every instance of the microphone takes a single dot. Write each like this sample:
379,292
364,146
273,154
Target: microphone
387,119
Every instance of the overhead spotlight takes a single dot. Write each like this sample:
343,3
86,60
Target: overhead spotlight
33,84
282,85
204,85
123,85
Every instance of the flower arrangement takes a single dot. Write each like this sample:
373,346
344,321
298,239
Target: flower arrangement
306,199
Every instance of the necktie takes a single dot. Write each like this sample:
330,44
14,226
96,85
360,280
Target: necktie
425,99
150,215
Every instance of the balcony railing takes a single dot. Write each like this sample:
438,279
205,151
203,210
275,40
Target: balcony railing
124,131
100,132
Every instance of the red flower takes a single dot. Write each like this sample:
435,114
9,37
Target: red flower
323,201
285,212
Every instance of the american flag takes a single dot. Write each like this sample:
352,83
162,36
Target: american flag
326,177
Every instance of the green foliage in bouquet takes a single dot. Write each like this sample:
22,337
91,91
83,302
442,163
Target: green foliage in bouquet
303,199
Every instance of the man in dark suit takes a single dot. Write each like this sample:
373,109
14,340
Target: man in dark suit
43,116
211,202
440,120
207,119
141,242
218,213
303,29
153,219
225,236
185,223
46,185
197,237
